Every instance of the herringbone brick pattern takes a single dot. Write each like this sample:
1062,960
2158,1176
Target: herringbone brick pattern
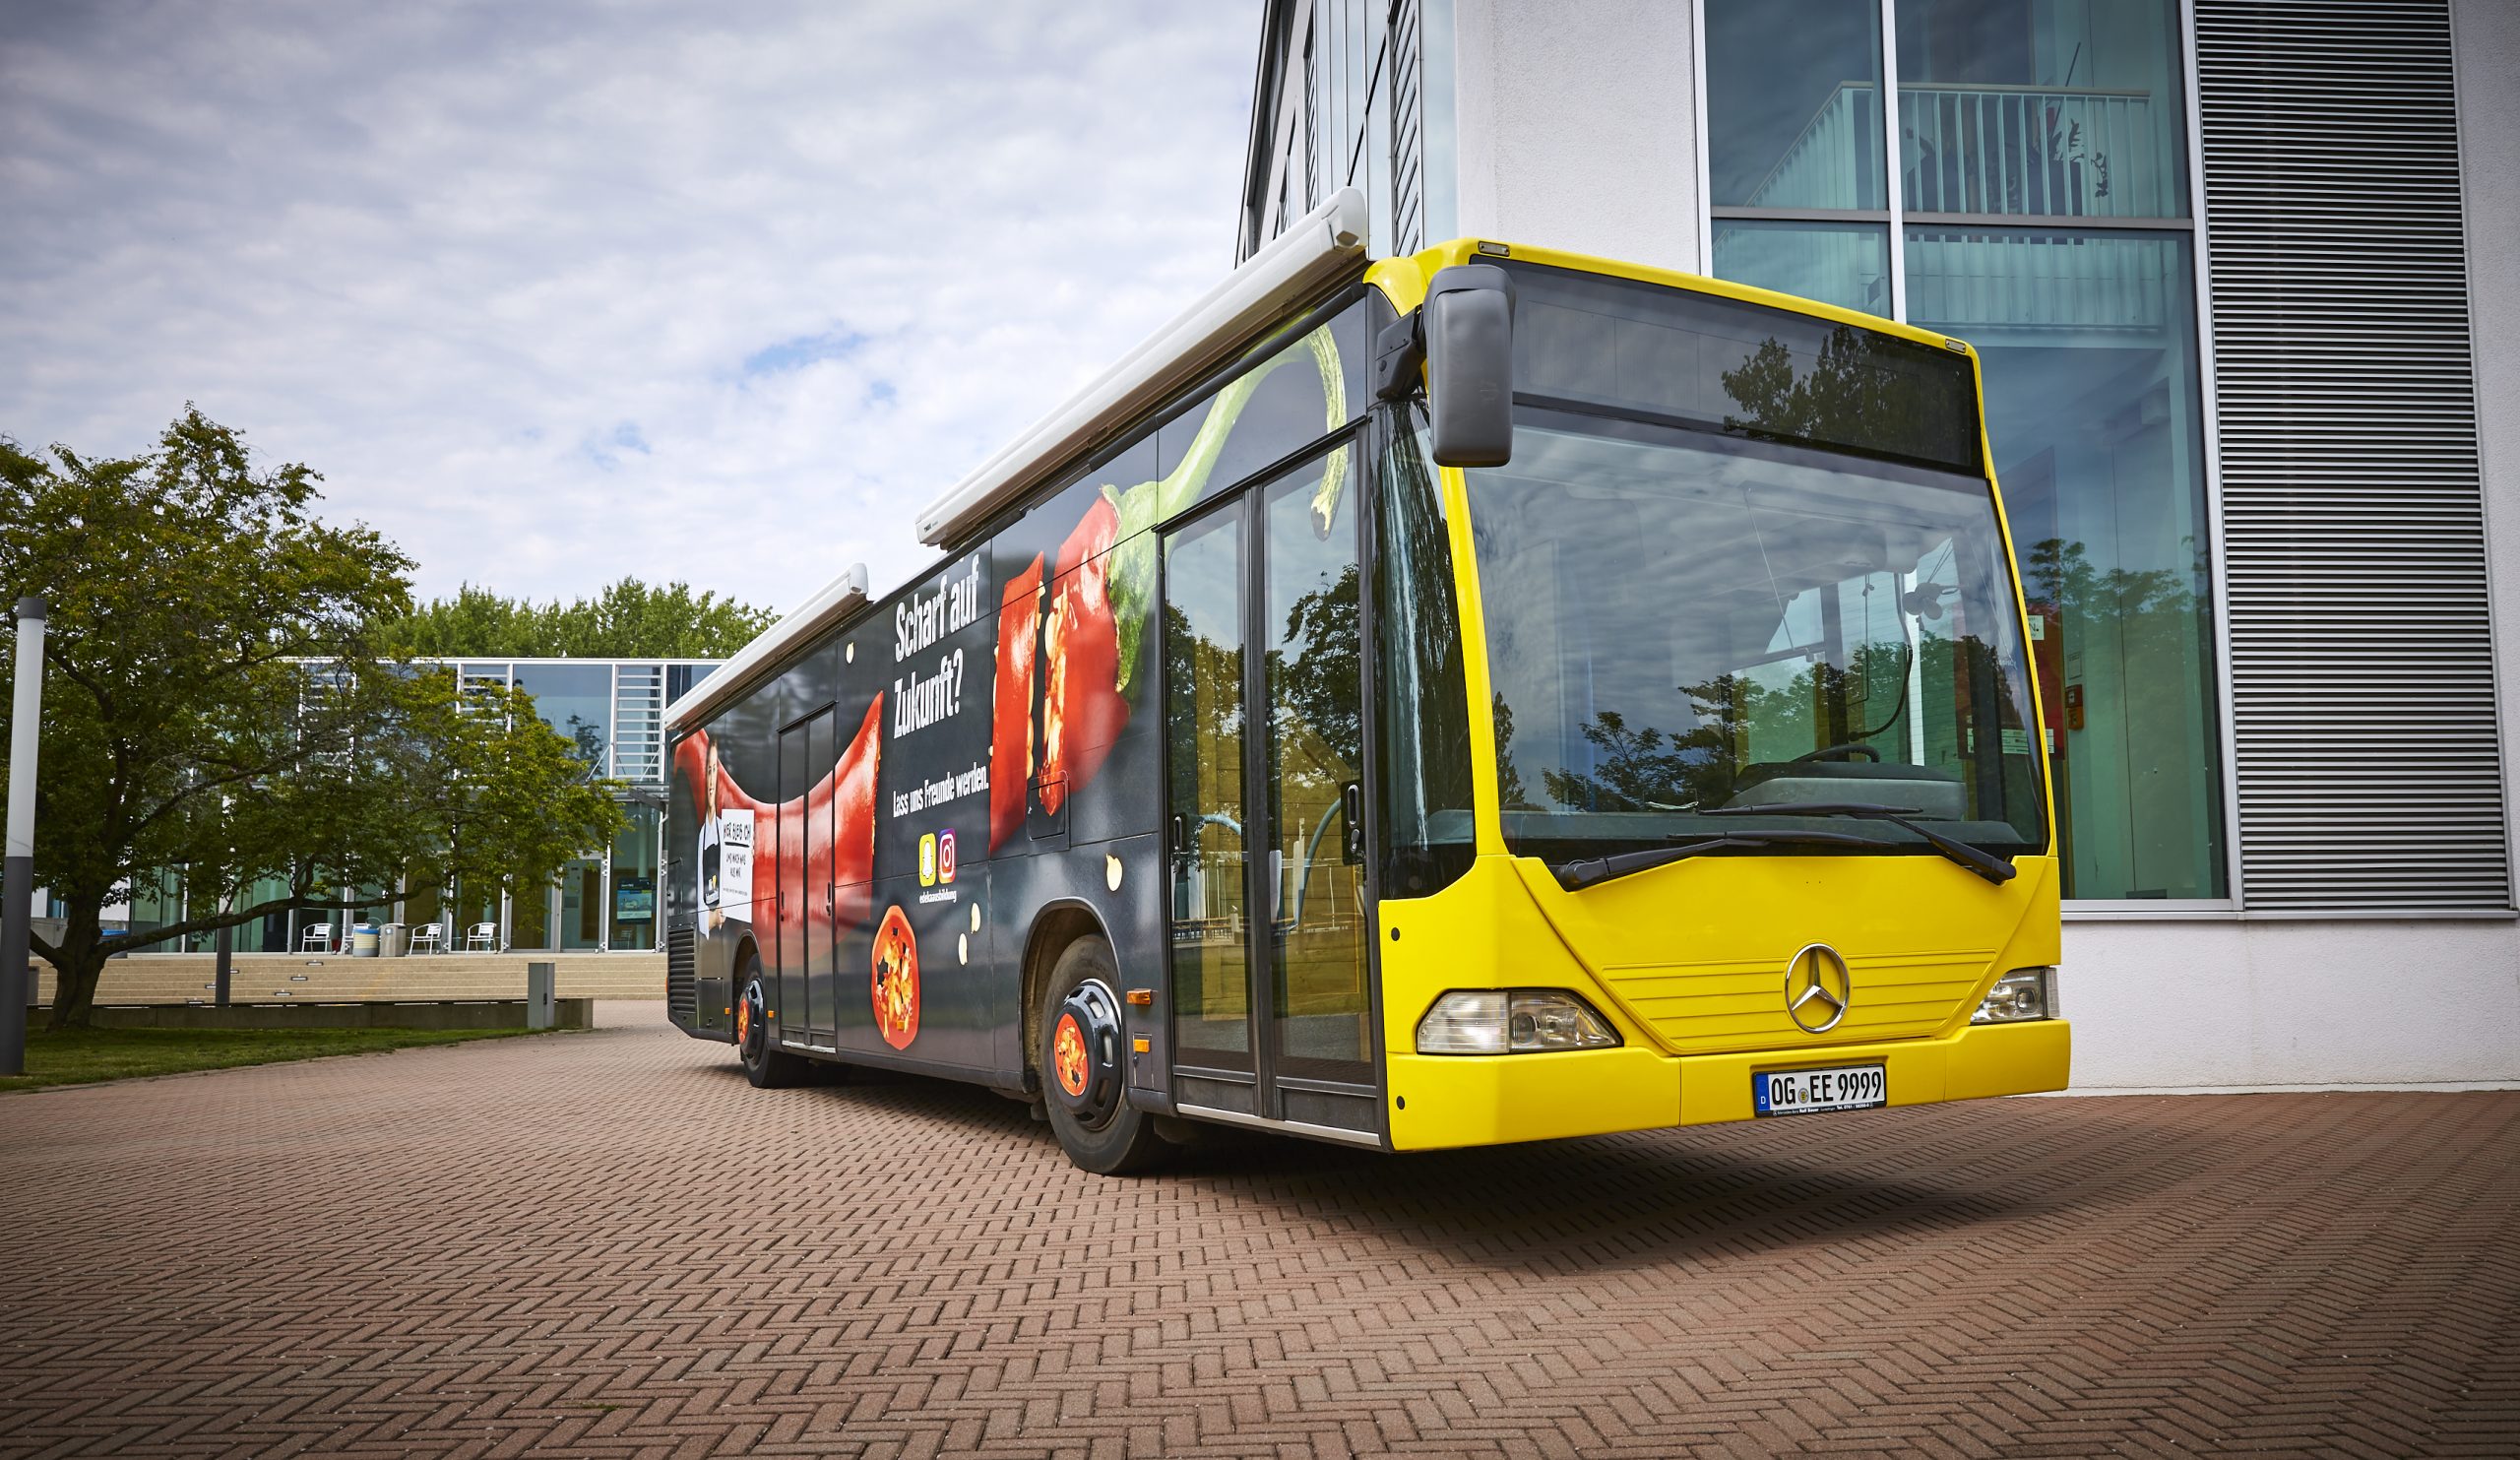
608,1244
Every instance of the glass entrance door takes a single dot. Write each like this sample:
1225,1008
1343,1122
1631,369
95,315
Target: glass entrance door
1272,998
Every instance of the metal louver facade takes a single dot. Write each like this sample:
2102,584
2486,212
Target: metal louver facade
2364,734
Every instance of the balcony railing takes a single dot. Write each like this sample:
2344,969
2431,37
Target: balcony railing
2041,152
2044,150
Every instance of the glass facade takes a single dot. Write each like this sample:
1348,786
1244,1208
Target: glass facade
614,712
2041,201
1841,264
2062,108
634,880
1794,104
575,699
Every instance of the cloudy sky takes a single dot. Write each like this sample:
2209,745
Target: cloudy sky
553,292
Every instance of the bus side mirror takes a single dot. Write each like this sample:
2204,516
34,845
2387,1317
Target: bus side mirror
1468,325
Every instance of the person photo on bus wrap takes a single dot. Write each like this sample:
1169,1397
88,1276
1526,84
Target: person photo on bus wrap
712,850
1090,619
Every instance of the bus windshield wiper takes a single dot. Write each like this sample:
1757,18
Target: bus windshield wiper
1984,863
1577,875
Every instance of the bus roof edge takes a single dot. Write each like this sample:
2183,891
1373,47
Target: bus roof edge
837,600
1312,251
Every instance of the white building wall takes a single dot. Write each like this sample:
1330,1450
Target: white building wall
2242,1003
2256,1002
1578,127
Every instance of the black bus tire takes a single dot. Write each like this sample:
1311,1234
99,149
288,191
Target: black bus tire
767,1069
1123,1139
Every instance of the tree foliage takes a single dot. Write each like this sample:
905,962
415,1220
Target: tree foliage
217,703
628,621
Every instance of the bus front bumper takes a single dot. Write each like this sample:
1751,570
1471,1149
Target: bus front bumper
1450,1099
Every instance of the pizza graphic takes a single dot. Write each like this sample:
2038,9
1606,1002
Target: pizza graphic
896,979
1067,1054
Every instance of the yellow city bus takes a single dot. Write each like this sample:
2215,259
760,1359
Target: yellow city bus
1486,695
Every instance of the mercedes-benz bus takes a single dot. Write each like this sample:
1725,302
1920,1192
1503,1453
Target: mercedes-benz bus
1479,697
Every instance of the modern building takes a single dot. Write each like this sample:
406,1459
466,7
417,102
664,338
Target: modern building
2253,361
603,902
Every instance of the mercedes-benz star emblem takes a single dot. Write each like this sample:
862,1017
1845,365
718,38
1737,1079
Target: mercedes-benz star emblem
1817,989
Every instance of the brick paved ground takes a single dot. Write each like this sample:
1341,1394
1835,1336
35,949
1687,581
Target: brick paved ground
608,1244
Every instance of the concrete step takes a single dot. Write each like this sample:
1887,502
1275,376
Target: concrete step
184,978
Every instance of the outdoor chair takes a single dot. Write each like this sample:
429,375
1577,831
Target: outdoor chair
427,938
483,938
318,938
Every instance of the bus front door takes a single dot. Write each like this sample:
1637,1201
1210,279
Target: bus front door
1272,1008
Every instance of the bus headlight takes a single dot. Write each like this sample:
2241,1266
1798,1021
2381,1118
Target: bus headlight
2023,993
1521,1020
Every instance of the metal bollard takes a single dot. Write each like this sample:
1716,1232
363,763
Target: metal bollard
541,1009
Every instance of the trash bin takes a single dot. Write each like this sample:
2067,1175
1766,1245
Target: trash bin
362,941
393,940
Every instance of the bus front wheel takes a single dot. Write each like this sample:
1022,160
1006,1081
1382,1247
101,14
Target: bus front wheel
1083,1069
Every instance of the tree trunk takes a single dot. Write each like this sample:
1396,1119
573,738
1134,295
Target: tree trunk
76,970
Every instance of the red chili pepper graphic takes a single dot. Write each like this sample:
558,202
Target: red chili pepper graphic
1010,734
834,821
1083,712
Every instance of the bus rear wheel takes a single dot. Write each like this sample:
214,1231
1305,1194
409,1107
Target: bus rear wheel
767,1069
1083,1069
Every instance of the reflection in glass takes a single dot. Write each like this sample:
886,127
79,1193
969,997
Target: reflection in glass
576,700
1292,394
1316,780
1203,719
634,881
2055,107
1743,367
530,917
1680,622
422,905
1843,264
581,905
1794,104
1422,710
476,909
2089,344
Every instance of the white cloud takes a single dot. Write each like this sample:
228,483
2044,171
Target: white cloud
551,294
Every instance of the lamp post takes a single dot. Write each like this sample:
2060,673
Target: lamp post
17,871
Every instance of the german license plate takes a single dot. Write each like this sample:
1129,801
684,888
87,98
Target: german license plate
1849,1087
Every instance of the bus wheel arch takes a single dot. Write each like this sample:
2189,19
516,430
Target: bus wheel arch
1057,925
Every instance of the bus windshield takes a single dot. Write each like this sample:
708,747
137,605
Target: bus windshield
1695,634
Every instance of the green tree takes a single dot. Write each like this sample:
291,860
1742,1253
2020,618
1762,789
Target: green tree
630,619
216,703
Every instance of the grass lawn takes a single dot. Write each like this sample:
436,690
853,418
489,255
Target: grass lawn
80,1056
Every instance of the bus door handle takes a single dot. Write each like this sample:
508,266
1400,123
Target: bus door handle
1181,834
1352,804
